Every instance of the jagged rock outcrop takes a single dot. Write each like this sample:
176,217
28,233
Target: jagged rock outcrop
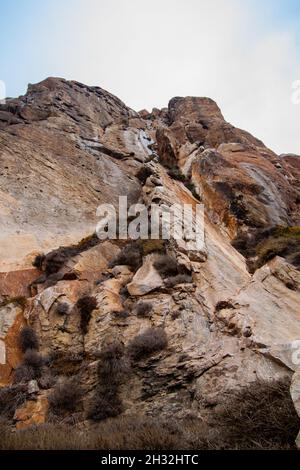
65,149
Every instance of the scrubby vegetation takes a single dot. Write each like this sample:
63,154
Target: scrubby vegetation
38,261
147,343
28,339
52,262
176,174
166,265
112,370
260,416
143,309
282,241
10,399
65,396
178,279
260,246
121,314
130,255
143,173
30,368
223,304
86,305
62,308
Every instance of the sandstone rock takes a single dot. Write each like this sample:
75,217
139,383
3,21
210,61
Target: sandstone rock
295,392
226,329
146,278
32,413
33,387
11,322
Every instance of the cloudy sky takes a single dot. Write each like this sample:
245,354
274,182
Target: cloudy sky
245,54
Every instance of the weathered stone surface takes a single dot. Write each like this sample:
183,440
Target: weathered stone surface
32,413
146,278
226,328
295,392
11,322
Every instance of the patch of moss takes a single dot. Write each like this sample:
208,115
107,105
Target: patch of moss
151,246
281,241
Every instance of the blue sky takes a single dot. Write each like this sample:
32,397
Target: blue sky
245,54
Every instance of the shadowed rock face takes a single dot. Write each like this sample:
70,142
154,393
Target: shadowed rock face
66,148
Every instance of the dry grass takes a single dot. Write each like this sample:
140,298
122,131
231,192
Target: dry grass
260,416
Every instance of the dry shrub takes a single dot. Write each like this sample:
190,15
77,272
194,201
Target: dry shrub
31,367
23,374
112,371
143,309
85,306
65,396
62,308
28,339
55,260
131,255
112,366
47,380
105,406
166,265
11,398
143,173
179,279
147,343
120,314
38,261
65,363
259,416
223,304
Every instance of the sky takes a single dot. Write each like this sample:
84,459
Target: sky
244,54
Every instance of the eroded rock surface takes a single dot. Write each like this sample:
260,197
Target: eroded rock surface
66,148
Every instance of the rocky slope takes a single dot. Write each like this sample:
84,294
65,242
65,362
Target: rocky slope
65,149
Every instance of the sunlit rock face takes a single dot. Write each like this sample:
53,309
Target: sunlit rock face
65,149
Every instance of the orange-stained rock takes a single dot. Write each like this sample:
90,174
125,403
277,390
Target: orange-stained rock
32,413
16,283
11,354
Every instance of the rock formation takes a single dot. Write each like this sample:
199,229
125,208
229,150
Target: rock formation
232,320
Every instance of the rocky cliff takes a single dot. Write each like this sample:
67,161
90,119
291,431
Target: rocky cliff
224,317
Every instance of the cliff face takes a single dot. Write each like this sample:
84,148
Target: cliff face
65,149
